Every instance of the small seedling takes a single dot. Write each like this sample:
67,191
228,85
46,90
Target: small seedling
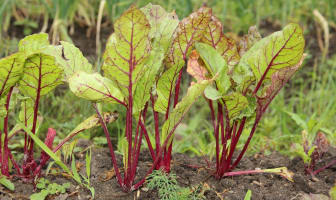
48,188
168,188
314,144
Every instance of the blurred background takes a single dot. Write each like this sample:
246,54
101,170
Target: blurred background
307,102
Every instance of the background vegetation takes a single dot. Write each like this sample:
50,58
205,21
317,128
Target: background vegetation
310,94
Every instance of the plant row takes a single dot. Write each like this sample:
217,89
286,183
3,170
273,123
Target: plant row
143,63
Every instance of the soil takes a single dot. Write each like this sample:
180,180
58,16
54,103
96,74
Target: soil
263,186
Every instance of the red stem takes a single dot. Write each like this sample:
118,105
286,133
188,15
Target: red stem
5,156
107,135
333,162
234,141
246,143
36,105
14,163
137,185
156,121
177,88
150,147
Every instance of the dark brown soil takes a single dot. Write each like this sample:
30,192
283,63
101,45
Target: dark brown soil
263,186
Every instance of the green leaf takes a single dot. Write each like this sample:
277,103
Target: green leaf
225,46
26,115
216,65
235,103
127,49
248,195
39,196
41,75
33,43
72,60
42,183
280,50
11,69
162,25
271,89
7,183
147,80
182,108
165,87
74,170
212,94
94,87
189,31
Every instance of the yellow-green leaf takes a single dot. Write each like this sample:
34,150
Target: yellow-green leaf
41,75
127,49
189,31
94,87
11,69
181,109
225,46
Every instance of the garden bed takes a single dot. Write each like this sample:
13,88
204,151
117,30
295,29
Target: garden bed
263,186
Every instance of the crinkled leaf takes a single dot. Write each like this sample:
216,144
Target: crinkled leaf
162,24
195,68
212,94
147,80
165,87
216,65
225,46
72,60
189,31
278,80
282,49
235,103
33,43
247,41
321,142
11,69
176,116
127,49
41,75
94,87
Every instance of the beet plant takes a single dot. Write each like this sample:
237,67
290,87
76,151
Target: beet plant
143,63
251,73
26,77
